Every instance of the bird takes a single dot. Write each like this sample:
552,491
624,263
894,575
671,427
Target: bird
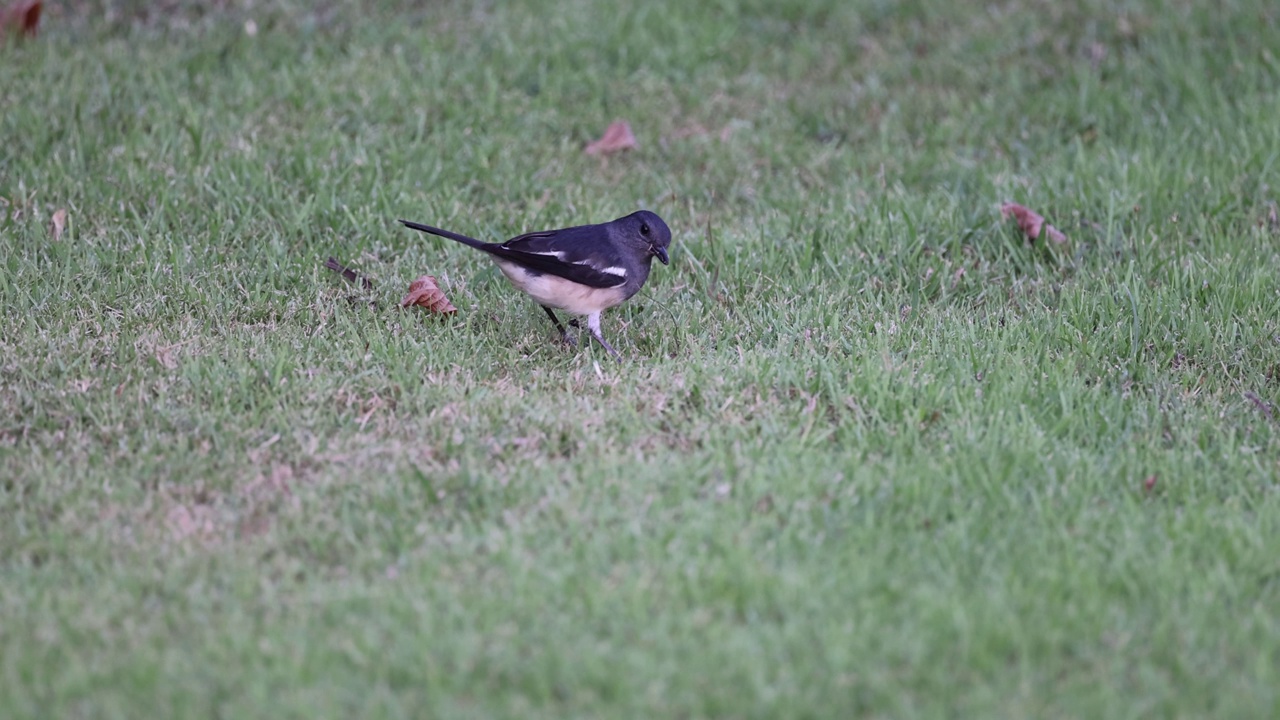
582,270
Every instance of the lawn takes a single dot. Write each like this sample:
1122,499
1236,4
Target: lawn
870,452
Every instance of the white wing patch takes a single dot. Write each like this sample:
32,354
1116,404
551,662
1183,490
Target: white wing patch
615,270
552,253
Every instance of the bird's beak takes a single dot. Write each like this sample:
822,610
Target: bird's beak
661,253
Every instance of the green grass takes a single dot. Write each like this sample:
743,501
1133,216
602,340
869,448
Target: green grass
870,453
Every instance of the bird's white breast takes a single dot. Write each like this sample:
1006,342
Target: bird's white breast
561,294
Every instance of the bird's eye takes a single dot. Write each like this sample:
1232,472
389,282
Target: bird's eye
644,228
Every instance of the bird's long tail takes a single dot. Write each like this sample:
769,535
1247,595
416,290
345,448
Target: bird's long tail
445,234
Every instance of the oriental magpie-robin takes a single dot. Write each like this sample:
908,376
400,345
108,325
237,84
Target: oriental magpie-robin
582,270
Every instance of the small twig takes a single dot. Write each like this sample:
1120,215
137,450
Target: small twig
347,273
1261,404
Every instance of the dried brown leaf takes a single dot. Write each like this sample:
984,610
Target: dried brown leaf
1031,222
58,223
426,293
617,137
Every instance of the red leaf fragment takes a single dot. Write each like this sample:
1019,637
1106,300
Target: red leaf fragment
1150,483
1031,222
426,293
617,137
21,17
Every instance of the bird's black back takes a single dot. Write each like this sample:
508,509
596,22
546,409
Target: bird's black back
579,254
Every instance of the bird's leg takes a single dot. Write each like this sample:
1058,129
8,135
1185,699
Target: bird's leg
564,334
593,324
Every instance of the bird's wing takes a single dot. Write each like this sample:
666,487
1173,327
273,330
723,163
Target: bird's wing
584,255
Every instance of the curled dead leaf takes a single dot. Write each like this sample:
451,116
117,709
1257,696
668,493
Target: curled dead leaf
1032,222
426,293
21,17
58,223
617,137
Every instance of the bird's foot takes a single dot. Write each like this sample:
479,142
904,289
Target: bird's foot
600,339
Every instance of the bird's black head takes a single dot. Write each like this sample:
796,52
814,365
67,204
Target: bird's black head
647,232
